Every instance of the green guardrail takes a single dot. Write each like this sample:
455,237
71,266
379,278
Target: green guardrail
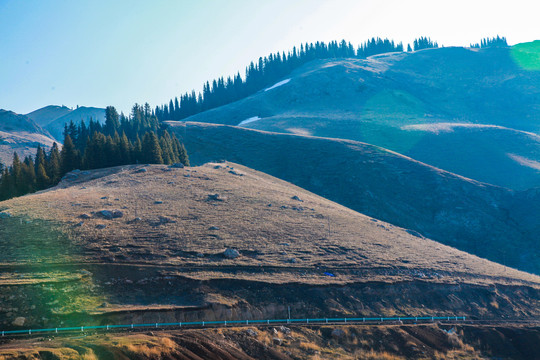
235,322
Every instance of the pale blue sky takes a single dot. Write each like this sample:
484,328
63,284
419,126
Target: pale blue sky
103,52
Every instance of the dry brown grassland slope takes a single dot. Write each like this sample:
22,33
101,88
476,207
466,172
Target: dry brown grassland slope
473,112
162,258
18,133
489,221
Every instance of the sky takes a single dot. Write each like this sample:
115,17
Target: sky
102,52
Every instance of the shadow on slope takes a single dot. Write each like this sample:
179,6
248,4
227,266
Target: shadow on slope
482,219
372,100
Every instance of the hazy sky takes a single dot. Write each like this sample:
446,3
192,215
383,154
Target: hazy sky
103,52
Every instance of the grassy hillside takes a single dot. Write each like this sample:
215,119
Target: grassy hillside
486,220
64,262
47,114
21,134
487,100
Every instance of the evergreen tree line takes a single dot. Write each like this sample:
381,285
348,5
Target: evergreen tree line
491,42
424,43
264,73
143,139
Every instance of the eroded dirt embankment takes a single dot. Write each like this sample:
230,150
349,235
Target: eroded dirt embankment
149,295
434,341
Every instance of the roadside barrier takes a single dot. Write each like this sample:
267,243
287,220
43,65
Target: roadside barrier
201,324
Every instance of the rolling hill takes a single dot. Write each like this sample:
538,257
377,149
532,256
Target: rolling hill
489,221
127,244
82,113
473,112
19,133
47,114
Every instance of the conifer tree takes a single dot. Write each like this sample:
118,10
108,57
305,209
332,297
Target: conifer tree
151,150
28,174
111,120
69,156
54,165
42,179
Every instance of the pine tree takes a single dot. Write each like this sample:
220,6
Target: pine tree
28,174
16,174
42,179
151,150
111,120
124,148
54,165
69,156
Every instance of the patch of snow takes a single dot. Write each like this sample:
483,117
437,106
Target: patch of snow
282,82
300,131
525,162
250,120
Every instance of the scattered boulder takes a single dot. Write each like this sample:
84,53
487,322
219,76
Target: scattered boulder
297,198
277,341
200,255
217,167
338,333
158,202
19,321
141,170
214,197
285,330
106,214
85,216
117,214
104,197
165,220
213,228
101,226
5,215
177,166
251,332
137,219
231,253
292,260
234,172
79,224
70,177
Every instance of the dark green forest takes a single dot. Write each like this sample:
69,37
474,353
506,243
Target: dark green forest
139,139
